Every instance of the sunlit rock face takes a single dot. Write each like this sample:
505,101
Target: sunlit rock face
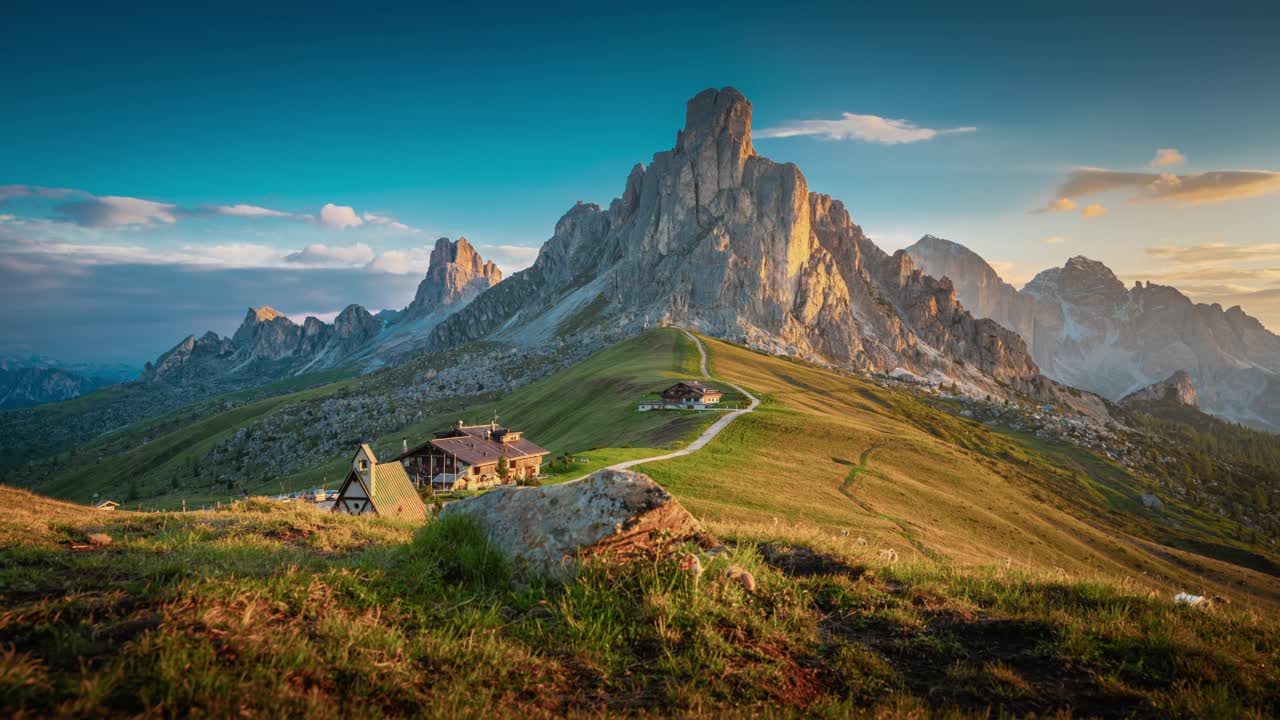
714,236
456,274
1086,329
1178,387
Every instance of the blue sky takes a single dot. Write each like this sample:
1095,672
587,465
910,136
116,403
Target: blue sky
144,146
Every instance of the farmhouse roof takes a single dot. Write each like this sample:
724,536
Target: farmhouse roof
472,444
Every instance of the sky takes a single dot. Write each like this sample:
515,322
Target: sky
163,168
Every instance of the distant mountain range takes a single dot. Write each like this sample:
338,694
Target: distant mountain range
268,345
1086,329
35,380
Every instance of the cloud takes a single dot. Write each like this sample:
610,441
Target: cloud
1167,156
321,255
339,216
864,128
402,262
115,211
301,317
1009,272
509,257
1216,252
386,220
17,191
1053,240
1057,205
1215,274
247,211
1213,186
1092,211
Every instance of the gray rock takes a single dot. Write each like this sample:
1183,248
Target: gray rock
620,512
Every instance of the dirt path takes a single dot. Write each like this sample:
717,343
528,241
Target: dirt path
710,433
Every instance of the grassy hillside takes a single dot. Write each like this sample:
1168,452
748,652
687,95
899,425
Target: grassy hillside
269,609
589,405
841,459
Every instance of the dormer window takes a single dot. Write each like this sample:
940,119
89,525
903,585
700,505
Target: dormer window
364,465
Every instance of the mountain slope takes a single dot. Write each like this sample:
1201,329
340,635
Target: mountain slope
714,236
1084,328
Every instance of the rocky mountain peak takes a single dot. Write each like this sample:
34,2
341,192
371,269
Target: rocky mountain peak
716,138
263,314
456,274
713,236
1177,386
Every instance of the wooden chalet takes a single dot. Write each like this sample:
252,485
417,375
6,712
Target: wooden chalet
107,505
467,456
374,488
691,393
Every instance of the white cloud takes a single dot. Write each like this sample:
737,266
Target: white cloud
116,211
865,128
402,262
1053,240
385,220
509,257
326,317
339,216
1167,156
321,255
248,211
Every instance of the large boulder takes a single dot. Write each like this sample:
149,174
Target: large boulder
544,529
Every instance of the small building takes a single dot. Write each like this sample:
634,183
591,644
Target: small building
691,394
383,489
466,457
107,505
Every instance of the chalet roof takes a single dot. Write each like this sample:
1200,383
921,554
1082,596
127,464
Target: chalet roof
472,445
393,493
695,385
481,451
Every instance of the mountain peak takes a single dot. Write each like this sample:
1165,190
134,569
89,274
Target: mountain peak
717,137
263,314
456,273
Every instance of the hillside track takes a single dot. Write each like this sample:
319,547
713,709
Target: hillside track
710,433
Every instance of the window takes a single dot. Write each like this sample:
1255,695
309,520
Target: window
364,464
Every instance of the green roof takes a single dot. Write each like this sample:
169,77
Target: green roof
393,493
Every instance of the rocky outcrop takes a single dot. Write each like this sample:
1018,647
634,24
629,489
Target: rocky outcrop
456,274
1178,387
713,236
266,346
1086,329
616,512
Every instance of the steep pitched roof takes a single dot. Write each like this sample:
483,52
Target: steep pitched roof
393,493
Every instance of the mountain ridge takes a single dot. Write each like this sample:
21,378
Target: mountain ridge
1087,329
715,237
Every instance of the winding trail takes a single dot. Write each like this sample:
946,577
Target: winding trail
707,435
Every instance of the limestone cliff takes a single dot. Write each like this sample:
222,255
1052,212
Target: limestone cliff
714,236
1086,329
455,275
1177,387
